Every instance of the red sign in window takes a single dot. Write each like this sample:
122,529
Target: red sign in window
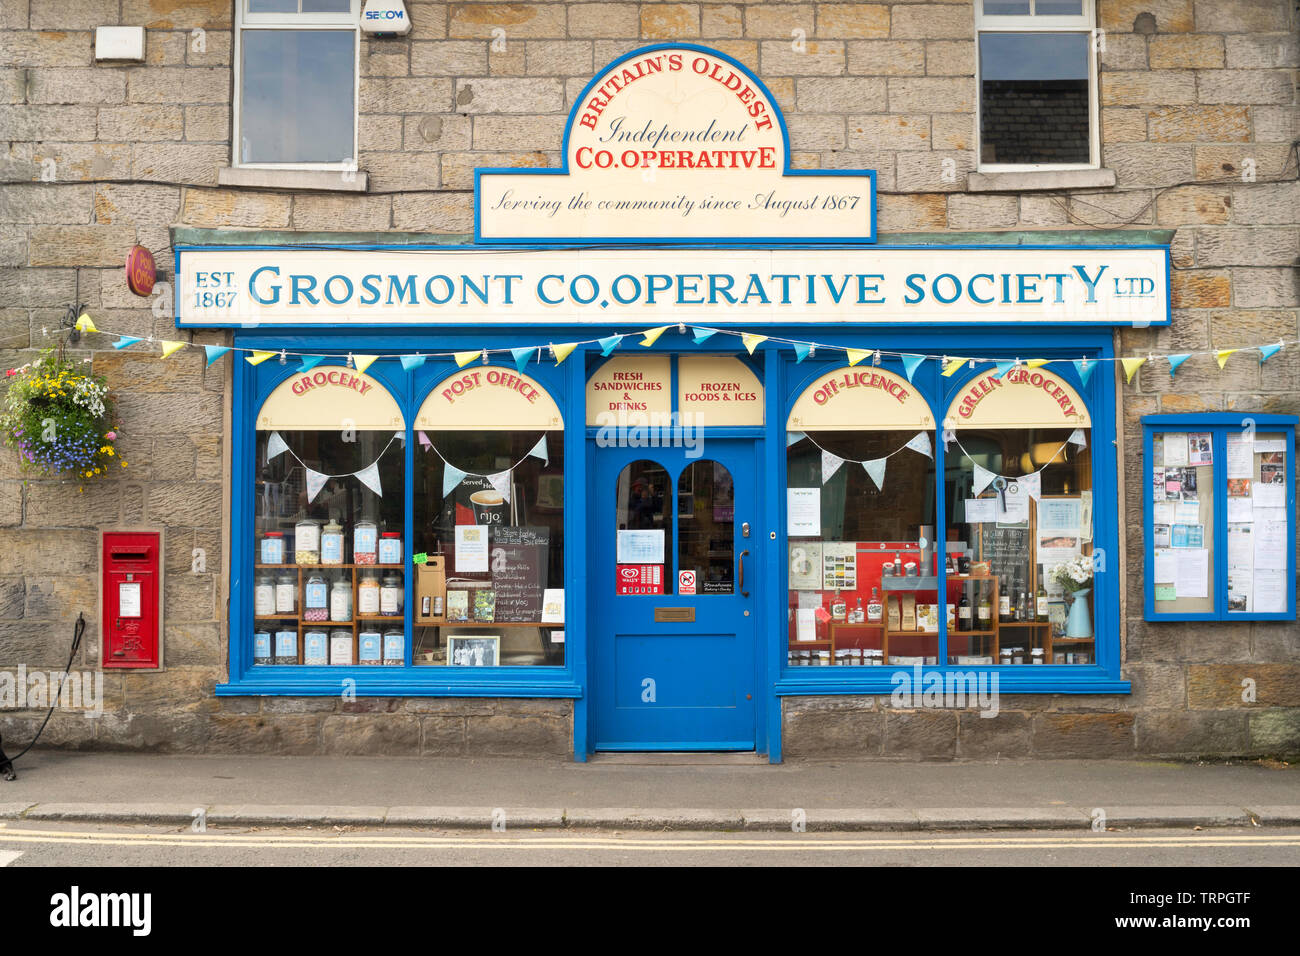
640,579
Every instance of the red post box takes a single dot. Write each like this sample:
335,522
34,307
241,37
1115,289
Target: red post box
131,586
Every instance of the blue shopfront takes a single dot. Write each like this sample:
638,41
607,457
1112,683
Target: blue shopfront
673,481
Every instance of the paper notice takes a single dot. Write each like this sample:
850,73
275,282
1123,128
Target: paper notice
1059,514
1016,509
1163,512
809,600
1270,544
553,605
805,565
1241,509
1239,463
1192,572
1265,445
639,547
1268,495
472,548
805,624
1157,484
1085,515
803,512
1241,589
1270,591
1187,512
1166,565
1165,592
1175,449
839,565
1200,448
981,510
1241,546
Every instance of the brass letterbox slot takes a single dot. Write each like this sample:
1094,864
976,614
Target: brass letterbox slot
674,615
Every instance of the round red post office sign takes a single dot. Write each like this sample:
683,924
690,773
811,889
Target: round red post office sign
140,270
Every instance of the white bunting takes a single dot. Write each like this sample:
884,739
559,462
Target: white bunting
539,450
876,469
1032,484
400,436
369,476
982,479
275,446
315,482
921,443
792,437
830,465
501,482
1078,437
451,477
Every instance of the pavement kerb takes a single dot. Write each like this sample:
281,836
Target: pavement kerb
636,818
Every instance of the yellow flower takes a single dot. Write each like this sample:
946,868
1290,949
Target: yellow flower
123,464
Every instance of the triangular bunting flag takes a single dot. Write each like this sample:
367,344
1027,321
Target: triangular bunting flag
983,477
124,341
315,482
952,366
561,352
451,477
464,358
752,340
400,436
1131,365
425,443
1177,360
910,363
170,348
411,361
830,465
309,362
501,482
1003,368
876,469
215,352
369,476
801,350
703,335
792,437
609,343
651,336
1032,484
275,446
921,443
1078,437
1037,363
522,357
258,357
539,451
1084,367
1222,356
364,362
1266,352
85,324
856,355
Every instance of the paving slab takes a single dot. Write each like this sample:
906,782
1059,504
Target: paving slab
641,818
1177,816
1283,816
1019,818
13,811
305,815
474,818
114,812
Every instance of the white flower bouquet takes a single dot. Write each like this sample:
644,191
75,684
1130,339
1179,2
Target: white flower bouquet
1075,574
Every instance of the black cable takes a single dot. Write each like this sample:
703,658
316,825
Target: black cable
77,631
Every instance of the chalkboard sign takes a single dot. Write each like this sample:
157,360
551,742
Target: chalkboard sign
518,559
1007,552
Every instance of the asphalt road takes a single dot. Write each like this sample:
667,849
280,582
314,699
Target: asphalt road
76,845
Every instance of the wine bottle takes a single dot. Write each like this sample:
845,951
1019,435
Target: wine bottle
963,613
1041,602
874,610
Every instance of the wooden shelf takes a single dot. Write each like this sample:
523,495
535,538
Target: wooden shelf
550,624
1026,624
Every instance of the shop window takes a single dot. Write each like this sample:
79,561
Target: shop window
706,512
329,515
1037,79
860,523
1219,507
296,64
489,519
643,523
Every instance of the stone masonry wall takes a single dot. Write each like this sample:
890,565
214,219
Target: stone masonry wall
1199,90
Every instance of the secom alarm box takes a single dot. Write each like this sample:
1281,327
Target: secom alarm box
131,585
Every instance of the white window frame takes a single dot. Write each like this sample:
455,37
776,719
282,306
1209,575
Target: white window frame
1084,23
295,21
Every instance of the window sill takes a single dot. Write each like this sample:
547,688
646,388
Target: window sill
398,682
325,179
1045,679
1040,179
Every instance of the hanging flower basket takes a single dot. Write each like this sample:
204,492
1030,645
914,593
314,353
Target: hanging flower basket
60,419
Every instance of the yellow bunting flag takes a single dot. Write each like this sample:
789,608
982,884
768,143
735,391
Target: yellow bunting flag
364,362
169,348
952,366
752,340
85,324
464,358
1222,356
1131,365
856,355
561,352
258,357
1036,363
652,335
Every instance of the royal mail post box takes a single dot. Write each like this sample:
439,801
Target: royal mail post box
130,585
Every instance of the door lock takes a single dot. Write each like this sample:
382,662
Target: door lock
744,530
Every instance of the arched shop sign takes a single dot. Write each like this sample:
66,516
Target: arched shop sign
329,397
489,398
630,388
852,398
718,390
1023,398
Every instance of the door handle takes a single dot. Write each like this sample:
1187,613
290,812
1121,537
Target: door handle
743,592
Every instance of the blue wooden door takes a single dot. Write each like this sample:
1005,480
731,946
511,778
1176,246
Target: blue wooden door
673,571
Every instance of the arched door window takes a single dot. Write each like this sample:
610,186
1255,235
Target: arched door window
706,536
643,523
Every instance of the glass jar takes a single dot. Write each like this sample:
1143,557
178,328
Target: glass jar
394,648
368,595
369,648
341,601
1036,656
264,596
365,543
340,647
261,647
286,594
331,543
390,548
316,648
315,600
306,541
286,647
391,596
273,547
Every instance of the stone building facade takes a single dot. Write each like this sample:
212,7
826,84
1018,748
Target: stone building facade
96,157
